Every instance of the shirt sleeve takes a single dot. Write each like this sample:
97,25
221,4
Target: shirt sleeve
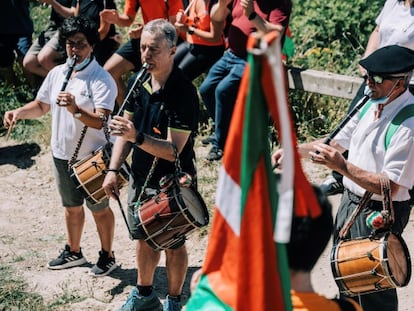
281,15
131,8
174,6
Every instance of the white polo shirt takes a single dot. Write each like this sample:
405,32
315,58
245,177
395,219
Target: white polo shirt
93,88
365,140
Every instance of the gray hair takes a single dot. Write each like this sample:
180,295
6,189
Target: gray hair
162,27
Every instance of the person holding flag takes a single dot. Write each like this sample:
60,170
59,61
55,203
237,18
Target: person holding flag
246,264
309,238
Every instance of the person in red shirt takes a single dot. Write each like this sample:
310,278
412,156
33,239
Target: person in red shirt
205,42
128,56
220,87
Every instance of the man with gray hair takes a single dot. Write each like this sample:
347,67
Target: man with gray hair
159,122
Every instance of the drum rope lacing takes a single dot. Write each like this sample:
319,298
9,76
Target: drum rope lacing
387,212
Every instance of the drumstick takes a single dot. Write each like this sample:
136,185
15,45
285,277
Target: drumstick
10,130
123,215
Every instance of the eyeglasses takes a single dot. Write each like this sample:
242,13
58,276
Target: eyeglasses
378,79
78,45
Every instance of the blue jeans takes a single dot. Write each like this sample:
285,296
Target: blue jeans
219,92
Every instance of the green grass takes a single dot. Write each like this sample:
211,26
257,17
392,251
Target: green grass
13,293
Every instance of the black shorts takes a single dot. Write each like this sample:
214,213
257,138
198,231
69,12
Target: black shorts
131,52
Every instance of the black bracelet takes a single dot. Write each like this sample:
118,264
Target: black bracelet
112,170
252,16
139,139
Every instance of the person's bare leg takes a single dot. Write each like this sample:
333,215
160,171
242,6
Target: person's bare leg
147,261
49,58
105,225
75,219
176,265
117,66
31,64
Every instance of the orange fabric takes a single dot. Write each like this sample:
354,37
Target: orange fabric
153,9
131,7
263,283
220,270
201,20
316,302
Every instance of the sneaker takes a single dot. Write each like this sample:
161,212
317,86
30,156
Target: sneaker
331,186
105,264
172,304
136,302
67,259
208,140
215,154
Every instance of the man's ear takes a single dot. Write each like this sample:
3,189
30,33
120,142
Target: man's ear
173,50
402,83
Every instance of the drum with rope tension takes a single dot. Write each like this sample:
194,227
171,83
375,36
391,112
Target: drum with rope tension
170,216
89,174
362,266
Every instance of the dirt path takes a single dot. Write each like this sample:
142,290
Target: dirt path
33,232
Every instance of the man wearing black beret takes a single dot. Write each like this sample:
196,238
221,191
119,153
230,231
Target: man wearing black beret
379,159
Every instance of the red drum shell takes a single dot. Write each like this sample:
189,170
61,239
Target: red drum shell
168,217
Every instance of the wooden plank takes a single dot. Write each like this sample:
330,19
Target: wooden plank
323,82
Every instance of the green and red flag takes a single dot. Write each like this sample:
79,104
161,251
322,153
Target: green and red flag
246,266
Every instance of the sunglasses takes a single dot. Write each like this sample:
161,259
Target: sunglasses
378,79
78,45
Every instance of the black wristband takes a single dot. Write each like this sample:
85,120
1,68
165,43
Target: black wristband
252,16
112,170
139,139
191,30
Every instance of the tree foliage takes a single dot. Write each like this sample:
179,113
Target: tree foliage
328,36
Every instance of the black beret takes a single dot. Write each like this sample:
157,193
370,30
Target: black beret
389,59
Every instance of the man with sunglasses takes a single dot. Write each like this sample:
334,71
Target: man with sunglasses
370,160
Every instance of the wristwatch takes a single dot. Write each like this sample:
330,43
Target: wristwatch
78,113
252,16
191,30
139,139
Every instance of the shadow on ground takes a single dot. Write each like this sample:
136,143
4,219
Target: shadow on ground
19,155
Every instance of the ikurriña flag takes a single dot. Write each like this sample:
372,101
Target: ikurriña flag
246,266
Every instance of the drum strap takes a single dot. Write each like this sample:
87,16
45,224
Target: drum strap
344,304
387,213
151,172
82,136
74,157
350,221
